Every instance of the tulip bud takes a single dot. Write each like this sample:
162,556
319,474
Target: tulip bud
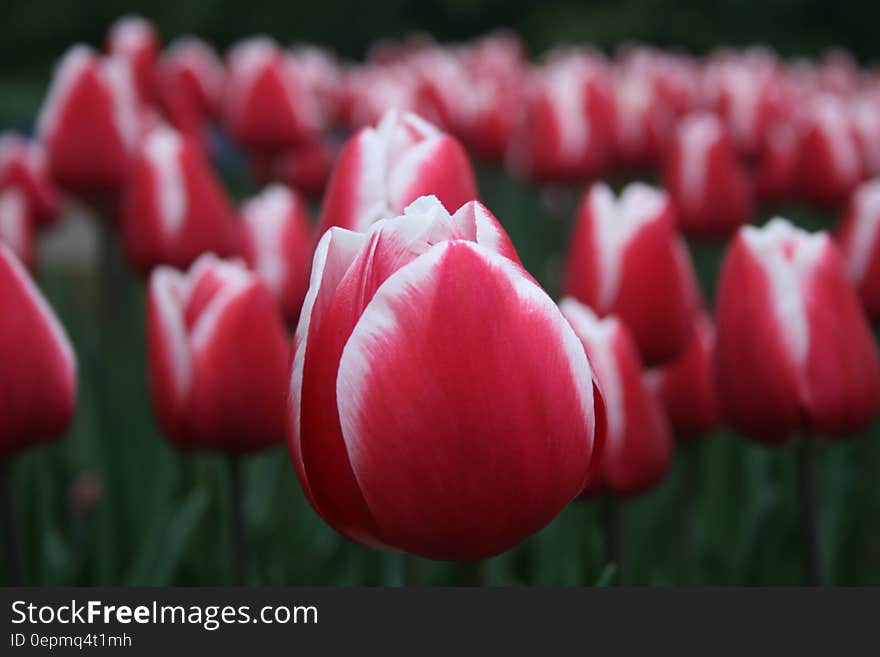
625,258
794,352
16,230
711,190
643,121
135,40
174,209
38,376
90,121
776,174
23,164
267,104
276,243
381,170
686,386
217,356
392,456
859,232
638,445
190,80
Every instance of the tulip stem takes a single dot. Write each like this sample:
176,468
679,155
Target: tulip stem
806,474
477,573
11,548
236,518
411,571
612,513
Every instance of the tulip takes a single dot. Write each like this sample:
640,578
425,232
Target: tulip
190,82
777,164
267,103
860,246
381,170
370,92
16,225
306,167
865,117
276,243
643,122
404,393
638,445
136,40
794,351
711,190
173,207
23,165
90,121
686,386
625,258
217,356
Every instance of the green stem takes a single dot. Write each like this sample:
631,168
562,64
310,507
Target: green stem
411,570
612,516
806,475
236,521
11,547
477,573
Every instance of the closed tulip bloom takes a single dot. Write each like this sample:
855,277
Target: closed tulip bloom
644,122
268,103
90,121
711,190
865,116
829,160
23,165
686,386
174,208
16,225
626,258
859,239
638,445
38,376
794,352
381,170
406,401
190,80
218,353
777,163
276,243
136,40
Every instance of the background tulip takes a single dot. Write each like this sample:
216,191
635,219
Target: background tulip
174,208
218,355
625,258
16,225
23,165
136,40
383,169
390,457
277,243
861,249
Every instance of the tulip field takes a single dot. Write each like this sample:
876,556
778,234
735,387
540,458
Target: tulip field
451,314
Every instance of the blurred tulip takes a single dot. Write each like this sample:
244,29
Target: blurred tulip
16,225
276,243
268,104
626,258
686,386
217,356
777,164
190,79
859,233
794,352
90,121
393,458
135,39
638,445
711,190
865,116
381,170
23,164
38,376
306,167
644,123
174,208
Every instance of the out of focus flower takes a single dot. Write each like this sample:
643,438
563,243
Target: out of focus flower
794,351
626,258
644,123
277,243
381,170
710,188
16,225
174,208
23,165
860,243
217,356
38,376
268,104
686,386
638,444
777,163
305,167
135,39
90,121
393,458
